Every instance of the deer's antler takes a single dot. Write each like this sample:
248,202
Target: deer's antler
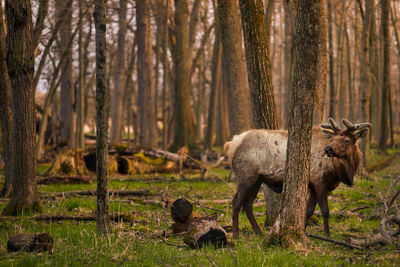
332,126
355,127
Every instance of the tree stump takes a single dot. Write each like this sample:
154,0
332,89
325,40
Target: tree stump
205,231
30,242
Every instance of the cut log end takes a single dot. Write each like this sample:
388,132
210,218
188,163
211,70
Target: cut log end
30,242
181,210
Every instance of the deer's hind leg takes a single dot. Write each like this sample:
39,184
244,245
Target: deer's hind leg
248,206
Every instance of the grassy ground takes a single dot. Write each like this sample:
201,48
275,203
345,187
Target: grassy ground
137,244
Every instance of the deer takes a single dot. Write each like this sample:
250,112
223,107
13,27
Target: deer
258,156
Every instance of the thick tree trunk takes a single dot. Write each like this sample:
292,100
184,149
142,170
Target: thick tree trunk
264,114
144,67
6,119
383,133
184,130
117,99
67,96
289,228
20,61
103,218
234,66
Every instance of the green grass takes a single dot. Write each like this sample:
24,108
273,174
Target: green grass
137,244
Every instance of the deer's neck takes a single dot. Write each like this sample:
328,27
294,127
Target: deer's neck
346,168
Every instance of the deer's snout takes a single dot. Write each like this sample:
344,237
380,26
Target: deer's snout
329,151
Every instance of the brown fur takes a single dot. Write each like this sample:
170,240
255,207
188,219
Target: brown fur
259,156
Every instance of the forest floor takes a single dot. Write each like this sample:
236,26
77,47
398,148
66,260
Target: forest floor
140,242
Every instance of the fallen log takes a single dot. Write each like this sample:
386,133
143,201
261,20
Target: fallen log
90,163
205,231
65,179
114,193
30,242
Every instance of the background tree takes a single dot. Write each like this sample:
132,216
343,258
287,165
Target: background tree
263,107
67,92
117,99
184,128
383,133
289,228
103,219
234,67
144,66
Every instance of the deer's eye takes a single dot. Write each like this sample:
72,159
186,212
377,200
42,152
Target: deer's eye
346,141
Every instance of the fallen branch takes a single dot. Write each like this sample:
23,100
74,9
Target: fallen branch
351,246
113,193
67,179
116,217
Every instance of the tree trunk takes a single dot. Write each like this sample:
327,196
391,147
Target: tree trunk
6,119
20,61
339,86
289,228
383,133
184,130
67,96
117,97
234,66
264,114
144,68
320,92
365,76
263,107
80,135
165,76
288,21
332,90
215,83
103,219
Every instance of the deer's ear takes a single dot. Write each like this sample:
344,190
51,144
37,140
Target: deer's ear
328,134
361,134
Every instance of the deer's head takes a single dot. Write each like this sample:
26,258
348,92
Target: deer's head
343,141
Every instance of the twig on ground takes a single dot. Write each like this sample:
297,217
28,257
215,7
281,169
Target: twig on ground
333,241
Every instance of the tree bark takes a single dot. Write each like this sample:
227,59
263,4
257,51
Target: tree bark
6,119
184,130
383,133
289,228
332,90
263,109
320,92
67,96
234,67
20,62
215,83
80,135
365,77
103,218
144,67
117,99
